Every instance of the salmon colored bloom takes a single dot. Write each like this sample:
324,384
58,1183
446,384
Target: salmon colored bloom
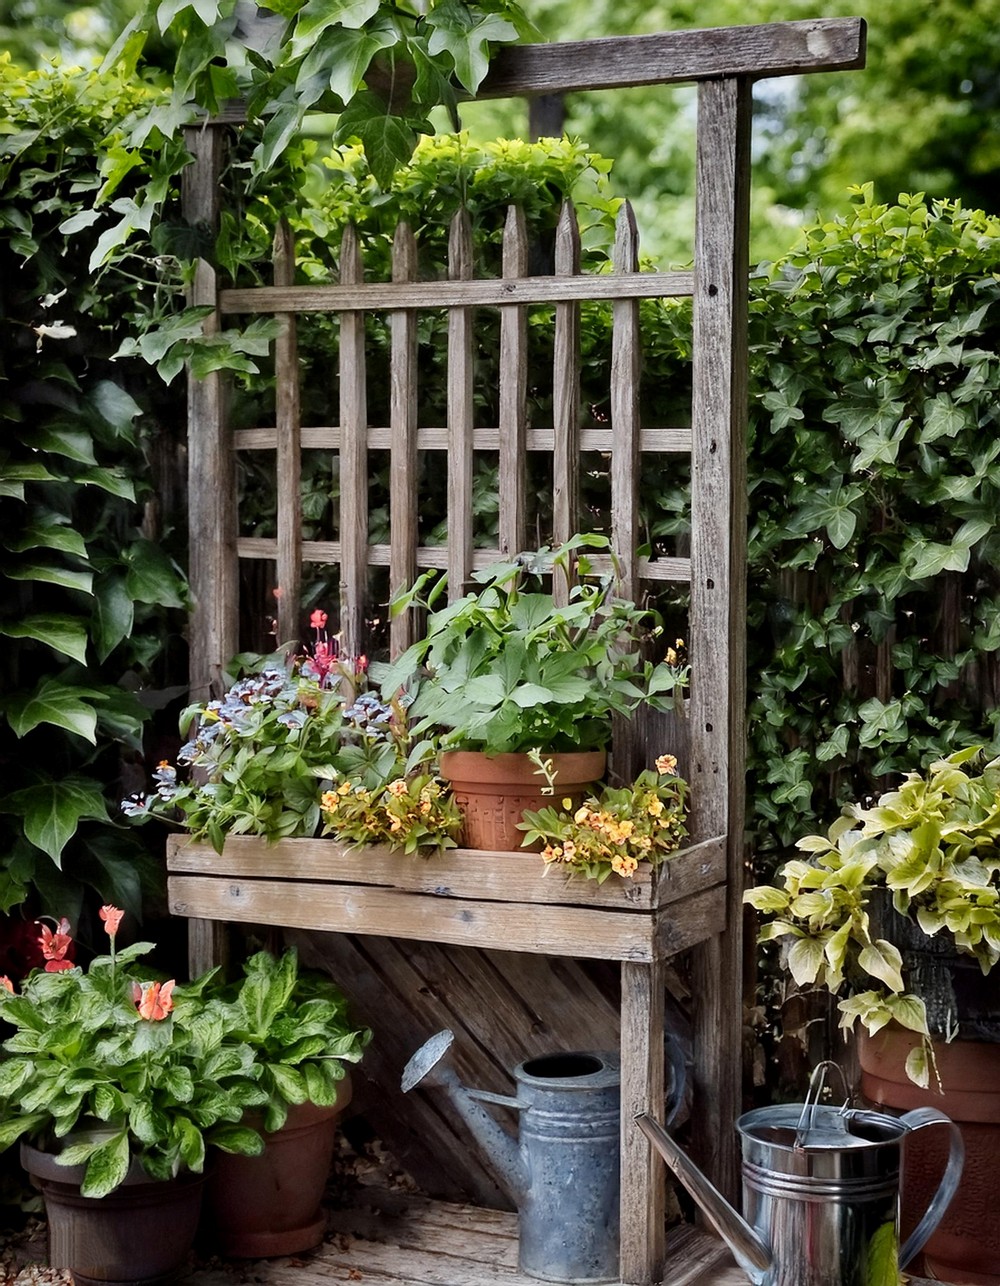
318,619
6,982
112,918
666,765
55,947
154,999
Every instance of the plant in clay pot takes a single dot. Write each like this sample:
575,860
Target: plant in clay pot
508,671
120,1083
898,911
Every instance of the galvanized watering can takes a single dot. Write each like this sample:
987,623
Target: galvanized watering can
563,1168
820,1192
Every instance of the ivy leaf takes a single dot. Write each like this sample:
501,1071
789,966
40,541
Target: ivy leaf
111,480
354,51
58,704
468,42
317,15
66,539
151,576
50,575
65,634
114,613
53,809
942,418
388,141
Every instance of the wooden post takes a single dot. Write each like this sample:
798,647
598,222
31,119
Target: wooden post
566,397
353,460
718,596
513,393
626,355
461,423
288,469
403,495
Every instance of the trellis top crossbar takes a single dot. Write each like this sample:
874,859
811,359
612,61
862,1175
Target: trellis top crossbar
672,57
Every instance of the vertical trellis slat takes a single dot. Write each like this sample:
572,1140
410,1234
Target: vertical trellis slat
288,469
513,393
566,394
461,423
353,458
212,569
403,493
718,588
625,362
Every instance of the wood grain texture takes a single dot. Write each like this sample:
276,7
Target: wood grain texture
626,359
212,570
353,460
566,397
288,470
457,873
667,58
460,436
404,499
513,395
718,613
483,293
486,438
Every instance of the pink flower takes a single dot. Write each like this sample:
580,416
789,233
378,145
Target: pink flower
56,947
154,999
6,982
318,620
112,918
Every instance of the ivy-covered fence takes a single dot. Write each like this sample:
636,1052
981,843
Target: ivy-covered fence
874,474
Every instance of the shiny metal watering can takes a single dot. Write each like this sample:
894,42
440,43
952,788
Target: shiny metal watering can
820,1192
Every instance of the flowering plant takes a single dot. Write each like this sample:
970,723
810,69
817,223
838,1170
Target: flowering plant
615,830
268,757
110,1064
408,813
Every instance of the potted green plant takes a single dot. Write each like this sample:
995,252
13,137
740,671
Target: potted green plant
119,1083
508,672
897,911
278,753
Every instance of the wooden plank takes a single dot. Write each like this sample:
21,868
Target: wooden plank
667,58
353,460
403,496
595,934
643,1178
513,395
327,438
625,365
677,570
459,438
456,873
212,567
288,472
566,397
483,293
718,598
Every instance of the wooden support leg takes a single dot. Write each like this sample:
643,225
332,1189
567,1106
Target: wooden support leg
644,1177
208,945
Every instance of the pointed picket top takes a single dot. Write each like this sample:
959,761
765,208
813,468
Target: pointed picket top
625,256
567,249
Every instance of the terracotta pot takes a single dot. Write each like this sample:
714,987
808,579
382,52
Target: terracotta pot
141,1232
493,791
257,1207
966,1246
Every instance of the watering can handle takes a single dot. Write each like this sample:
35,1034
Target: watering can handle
917,1120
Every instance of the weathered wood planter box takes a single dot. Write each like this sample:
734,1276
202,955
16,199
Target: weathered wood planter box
506,901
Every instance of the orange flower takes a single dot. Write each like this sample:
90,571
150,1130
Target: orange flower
6,982
55,947
666,765
154,999
318,619
112,918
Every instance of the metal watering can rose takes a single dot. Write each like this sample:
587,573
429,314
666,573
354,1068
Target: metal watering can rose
820,1193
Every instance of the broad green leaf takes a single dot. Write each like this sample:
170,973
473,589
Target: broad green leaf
111,480
114,613
65,634
290,1083
78,222
237,1138
883,961
107,1168
767,899
75,444
909,1011
151,576
918,1067
57,703
317,15
387,140
52,810
882,1256
117,408
50,575
65,539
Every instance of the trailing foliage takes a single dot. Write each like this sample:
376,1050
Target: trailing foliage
85,570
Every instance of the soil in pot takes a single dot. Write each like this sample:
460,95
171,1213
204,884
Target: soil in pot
965,1249
142,1232
267,1205
493,791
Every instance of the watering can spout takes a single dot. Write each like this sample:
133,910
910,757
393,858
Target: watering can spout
748,1248
428,1067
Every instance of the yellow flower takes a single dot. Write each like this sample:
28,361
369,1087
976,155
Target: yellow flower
397,787
666,764
344,788
626,827
581,814
329,800
655,806
569,850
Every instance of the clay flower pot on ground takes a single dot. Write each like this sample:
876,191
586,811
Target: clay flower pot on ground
142,1231
271,1204
511,671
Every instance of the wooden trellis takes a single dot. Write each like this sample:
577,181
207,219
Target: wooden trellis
490,902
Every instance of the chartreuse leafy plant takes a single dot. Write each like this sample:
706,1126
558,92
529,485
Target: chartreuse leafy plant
509,669
933,846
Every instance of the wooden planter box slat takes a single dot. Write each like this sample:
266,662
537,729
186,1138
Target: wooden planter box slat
505,901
